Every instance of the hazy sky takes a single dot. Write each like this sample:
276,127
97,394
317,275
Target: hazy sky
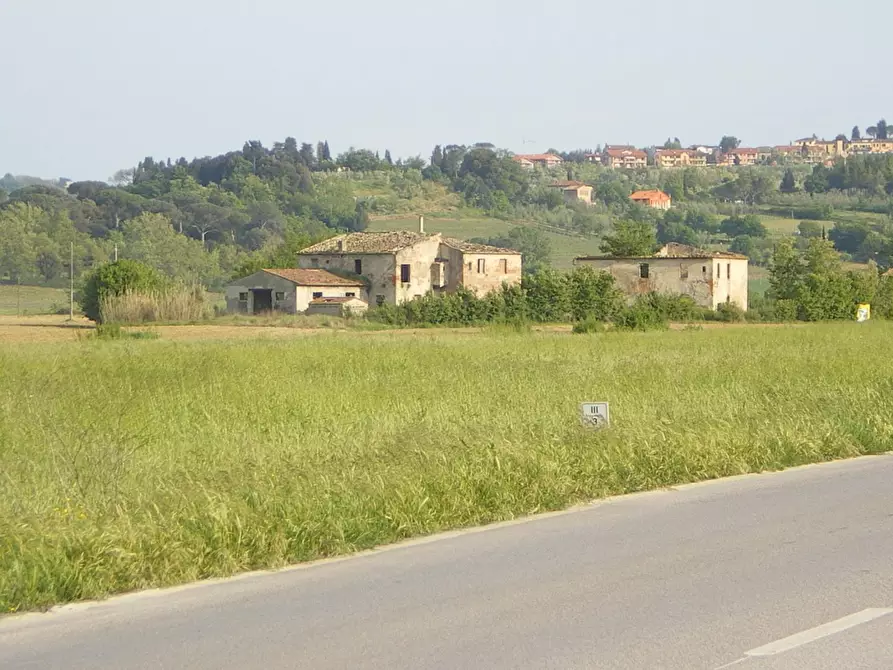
91,86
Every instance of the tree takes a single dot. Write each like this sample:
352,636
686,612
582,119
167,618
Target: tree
630,239
387,157
856,135
547,295
676,231
749,225
788,182
593,295
116,279
437,157
882,129
306,156
672,144
810,229
871,131
305,179
535,247
817,182
728,143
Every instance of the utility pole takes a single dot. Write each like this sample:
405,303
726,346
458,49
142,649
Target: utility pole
71,282
116,251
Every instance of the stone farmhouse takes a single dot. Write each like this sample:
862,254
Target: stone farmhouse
399,266
290,290
574,191
710,278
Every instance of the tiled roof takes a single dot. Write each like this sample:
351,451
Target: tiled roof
567,184
620,153
538,157
313,277
679,152
367,243
649,195
473,248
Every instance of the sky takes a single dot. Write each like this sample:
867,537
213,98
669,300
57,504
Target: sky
93,86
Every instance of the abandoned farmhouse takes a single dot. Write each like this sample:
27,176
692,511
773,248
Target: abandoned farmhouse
711,278
375,268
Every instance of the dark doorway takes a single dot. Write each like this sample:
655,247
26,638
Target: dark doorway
263,300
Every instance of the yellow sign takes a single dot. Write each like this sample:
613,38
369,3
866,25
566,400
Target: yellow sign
863,312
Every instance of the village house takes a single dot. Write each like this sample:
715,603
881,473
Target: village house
529,161
710,278
870,146
742,157
290,290
654,199
626,158
574,191
401,265
670,158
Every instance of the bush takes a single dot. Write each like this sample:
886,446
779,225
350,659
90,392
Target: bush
588,325
114,279
730,313
640,317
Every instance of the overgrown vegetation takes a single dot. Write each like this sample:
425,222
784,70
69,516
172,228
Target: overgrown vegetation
138,464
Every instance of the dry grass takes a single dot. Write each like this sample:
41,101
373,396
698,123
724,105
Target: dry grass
183,304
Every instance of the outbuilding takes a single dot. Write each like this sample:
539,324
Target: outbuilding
338,307
289,290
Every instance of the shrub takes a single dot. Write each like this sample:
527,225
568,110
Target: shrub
115,279
588,325
640,317
730,313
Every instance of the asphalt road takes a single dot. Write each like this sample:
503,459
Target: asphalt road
789,570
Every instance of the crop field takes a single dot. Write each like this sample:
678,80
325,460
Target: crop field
31,299
141,463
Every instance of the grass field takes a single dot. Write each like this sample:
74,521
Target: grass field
139,463
564,247
31,299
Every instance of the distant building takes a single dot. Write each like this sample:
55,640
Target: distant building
574,191
399,266
529,161
654,199
289,290
742,157
670,158
346,306
710,278
625,158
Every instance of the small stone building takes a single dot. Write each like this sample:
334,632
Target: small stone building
289,290
402,265
711,278
338,307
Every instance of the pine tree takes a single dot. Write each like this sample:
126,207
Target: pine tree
788,182
387,157
326,153
857,135
320,151
437,156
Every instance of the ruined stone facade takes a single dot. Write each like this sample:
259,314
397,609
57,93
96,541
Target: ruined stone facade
400,266
709,278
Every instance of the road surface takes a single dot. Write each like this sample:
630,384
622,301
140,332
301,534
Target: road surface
788,570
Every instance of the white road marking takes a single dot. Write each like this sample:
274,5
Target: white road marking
817,633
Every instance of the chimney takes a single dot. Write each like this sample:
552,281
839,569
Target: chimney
341,244
422,225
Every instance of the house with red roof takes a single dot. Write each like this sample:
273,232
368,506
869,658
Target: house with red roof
530,161
654,199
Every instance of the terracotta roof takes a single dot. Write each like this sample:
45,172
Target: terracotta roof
672,250
620,153
337,301
619,147
473,248
538,157
679,152
650,195
368,243
745,151
313,277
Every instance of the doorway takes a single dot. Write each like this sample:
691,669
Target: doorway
263,300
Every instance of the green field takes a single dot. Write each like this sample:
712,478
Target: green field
31,299
140,463
564,247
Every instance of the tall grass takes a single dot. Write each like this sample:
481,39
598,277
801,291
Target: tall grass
177,303
130,464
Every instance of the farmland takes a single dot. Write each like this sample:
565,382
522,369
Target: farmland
133,464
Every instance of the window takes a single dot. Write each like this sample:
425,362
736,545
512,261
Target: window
728,270
503,266
404,274
318,294
468,266
482,265
683,272
379,300
718,271
358,266
314,262
280,295
704,270
644,270
350,295
243,297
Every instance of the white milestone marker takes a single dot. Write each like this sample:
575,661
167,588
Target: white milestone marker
595,414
